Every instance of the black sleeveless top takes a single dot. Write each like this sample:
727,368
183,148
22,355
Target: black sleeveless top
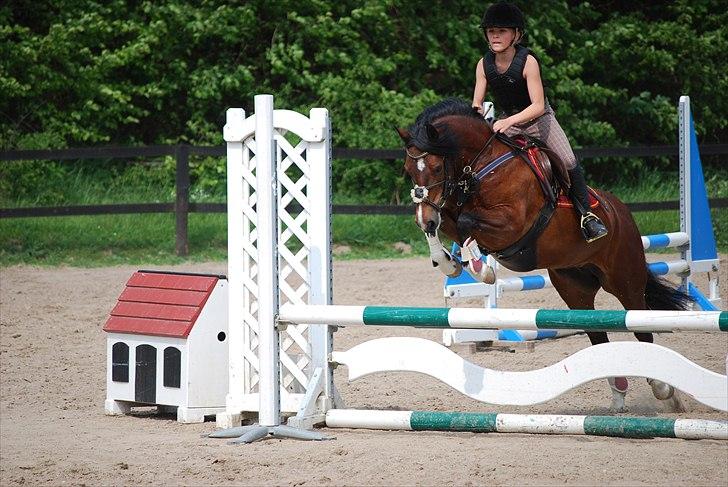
509,89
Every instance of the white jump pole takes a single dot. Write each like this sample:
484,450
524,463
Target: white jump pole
267,227
549,424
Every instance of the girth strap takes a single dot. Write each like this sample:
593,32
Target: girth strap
529,239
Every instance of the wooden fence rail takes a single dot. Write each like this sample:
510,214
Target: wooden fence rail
182,205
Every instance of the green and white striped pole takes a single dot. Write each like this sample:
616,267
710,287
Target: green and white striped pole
517,319
616,426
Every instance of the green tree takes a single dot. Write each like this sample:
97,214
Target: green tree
91,72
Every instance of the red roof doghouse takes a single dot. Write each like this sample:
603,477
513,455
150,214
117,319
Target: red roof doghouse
167,345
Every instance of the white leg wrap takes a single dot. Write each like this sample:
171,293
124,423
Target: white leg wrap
474,263
484,273
441,258
619,391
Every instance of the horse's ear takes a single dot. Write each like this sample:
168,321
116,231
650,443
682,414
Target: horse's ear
403,134
432,133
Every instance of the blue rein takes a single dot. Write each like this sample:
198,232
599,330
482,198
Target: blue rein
492,165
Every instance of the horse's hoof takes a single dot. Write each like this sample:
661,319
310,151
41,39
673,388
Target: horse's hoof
457,269
489,277
661,390
618,407
675,405
480,271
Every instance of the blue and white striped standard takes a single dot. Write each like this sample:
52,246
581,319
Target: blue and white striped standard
525,283
551,424
665,268
541,281
526,335
513,319
663,240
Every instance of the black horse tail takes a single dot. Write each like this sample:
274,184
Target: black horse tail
660,294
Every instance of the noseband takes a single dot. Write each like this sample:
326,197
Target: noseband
419,193
466,180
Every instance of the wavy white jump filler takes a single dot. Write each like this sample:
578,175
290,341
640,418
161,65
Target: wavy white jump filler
613,359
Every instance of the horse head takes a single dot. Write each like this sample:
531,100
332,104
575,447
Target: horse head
441,147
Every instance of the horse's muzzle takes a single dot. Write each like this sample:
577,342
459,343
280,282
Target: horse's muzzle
431,228
428,218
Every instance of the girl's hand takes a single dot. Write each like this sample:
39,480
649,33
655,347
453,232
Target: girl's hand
502,125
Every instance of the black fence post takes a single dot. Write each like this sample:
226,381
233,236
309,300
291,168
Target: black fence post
182,202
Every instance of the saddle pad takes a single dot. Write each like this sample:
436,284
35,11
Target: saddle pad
542,174
565,202
562,201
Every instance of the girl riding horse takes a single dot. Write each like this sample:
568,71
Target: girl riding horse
513,75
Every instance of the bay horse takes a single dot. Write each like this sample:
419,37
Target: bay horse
472,186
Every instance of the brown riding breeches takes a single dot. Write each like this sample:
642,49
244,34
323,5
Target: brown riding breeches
547,128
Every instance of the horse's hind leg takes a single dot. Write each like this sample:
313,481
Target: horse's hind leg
631,293
578,287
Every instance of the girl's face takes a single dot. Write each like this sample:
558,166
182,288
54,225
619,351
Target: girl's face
500,38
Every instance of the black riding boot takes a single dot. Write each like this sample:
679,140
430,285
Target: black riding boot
591,226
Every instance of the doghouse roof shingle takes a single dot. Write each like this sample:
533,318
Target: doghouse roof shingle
161,303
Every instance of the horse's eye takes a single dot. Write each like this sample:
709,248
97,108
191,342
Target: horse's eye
438,170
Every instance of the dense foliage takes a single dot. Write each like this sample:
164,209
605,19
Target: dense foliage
92,72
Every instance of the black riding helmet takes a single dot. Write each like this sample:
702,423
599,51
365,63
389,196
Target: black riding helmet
503,14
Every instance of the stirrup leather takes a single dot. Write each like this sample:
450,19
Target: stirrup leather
584,219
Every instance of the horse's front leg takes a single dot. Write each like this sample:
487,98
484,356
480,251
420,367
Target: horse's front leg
474,262
441,257
474,230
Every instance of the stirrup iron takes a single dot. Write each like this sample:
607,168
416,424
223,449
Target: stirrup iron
584,219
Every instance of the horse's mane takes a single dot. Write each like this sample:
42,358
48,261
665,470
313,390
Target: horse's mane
446,143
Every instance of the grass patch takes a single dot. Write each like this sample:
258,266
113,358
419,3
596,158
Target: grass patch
375,235
92,241
149,239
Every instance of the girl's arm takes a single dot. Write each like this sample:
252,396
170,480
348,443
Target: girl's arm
532,74
481,84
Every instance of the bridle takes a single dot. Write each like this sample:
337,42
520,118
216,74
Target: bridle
464,182
419,193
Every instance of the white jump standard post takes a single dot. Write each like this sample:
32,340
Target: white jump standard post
267,202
